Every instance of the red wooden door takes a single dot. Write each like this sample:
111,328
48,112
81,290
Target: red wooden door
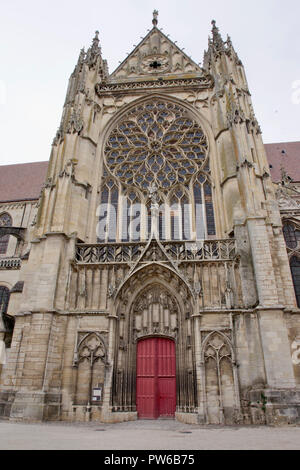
156,378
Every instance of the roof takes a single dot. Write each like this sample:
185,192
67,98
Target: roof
286,155
22,182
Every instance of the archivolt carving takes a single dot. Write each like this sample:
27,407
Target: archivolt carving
155,313
135,280
158,310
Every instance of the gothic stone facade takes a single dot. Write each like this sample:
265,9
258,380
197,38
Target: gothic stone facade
201,304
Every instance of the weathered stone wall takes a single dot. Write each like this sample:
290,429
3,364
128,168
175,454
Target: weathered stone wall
229,305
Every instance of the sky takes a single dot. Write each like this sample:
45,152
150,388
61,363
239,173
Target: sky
41,39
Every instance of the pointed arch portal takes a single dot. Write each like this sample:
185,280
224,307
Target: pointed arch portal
156,378
154,373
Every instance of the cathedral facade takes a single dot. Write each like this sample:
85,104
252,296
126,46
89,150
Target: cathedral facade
157,274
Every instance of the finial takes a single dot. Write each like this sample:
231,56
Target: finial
229,42
155,15
96,38
94,51
214,27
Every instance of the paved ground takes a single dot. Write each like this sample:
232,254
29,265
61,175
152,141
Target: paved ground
150,435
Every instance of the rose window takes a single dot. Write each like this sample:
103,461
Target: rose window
156,143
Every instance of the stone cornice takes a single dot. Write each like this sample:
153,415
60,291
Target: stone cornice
161,84
63,312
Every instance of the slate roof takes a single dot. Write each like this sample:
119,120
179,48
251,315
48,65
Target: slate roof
286,154
22,182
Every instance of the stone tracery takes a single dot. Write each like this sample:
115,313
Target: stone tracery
157,142
157,152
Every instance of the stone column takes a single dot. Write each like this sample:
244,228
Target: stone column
106,403
199,367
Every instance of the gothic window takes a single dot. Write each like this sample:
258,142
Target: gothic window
8,320
291,235
175,219
108,213
292,239
149,220
210,221
5,221
159,145
204,212
295,268
4,298
133,226
179,216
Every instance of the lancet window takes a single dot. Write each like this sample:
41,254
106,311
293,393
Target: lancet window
292,239
4,299
5,221
107,212
291,235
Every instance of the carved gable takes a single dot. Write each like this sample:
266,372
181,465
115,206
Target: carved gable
156,56
284,198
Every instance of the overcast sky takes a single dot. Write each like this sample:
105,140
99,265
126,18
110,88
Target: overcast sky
41,40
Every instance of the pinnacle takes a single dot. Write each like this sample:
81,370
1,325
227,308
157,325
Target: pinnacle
96,38
155,20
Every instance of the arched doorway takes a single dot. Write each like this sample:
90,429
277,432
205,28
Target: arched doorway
154,305
156,378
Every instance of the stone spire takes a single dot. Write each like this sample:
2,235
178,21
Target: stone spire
95,45
155,20
217,40
94,58
217,47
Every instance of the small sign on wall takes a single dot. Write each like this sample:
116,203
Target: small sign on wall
97,393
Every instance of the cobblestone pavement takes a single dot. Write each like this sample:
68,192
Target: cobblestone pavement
150,435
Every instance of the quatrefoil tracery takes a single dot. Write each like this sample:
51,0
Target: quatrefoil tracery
156,143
